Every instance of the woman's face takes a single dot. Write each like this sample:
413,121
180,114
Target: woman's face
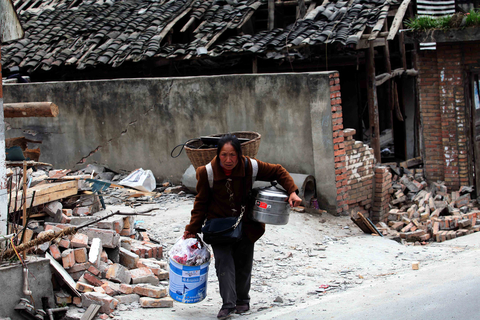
228,156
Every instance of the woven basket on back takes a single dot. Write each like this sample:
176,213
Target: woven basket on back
200,157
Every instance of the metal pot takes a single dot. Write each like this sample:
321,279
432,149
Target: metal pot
269,205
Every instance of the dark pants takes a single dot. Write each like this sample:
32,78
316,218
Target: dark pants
233,264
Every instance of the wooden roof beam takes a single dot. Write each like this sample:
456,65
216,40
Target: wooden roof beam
398,19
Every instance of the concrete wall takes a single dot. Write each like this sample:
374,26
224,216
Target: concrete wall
39,282
131,123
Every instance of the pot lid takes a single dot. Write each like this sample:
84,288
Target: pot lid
273,191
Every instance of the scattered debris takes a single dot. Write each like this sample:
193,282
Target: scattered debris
420,213
101,258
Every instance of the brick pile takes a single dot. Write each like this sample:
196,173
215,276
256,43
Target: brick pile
110,269
420,213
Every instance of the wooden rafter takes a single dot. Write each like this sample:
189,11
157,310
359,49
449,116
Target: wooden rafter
398,19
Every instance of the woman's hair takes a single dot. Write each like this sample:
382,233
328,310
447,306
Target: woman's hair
228,138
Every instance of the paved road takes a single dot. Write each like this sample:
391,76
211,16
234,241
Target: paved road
444,290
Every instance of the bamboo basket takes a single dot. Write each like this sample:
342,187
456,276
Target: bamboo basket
201,157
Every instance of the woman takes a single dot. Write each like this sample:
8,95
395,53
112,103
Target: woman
233,262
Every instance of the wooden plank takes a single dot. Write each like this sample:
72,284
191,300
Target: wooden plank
188,24
172,23
29,163
365,44
369,224
45,193
271,14
44,198
411,162
398,19
360,223
91,312
373,103
63,273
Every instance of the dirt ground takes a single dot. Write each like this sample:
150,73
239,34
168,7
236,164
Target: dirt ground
294,264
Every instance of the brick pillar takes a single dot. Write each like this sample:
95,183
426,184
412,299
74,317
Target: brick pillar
383,189
428,82
338,142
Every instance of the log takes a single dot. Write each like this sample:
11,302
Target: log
30,109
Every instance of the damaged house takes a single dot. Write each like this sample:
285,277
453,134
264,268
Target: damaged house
382,118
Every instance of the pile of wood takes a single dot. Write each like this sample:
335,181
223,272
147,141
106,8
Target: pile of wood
420,213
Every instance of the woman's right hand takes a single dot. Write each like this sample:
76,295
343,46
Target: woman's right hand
187,235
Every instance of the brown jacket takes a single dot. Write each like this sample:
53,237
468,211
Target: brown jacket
214,203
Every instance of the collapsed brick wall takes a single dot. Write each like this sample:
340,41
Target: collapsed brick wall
354,161
441,81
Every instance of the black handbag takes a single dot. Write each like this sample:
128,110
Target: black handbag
225,230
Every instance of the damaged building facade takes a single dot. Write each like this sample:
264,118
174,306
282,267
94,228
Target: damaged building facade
369,103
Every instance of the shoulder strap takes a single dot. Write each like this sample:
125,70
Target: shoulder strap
209,174
254,171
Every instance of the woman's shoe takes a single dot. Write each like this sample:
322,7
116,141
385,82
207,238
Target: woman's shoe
225,313
241,308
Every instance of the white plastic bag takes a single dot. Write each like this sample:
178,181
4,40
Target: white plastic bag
189,252
140,179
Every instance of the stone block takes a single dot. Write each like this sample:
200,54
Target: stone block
62,298
111,288
99,290
80,255
84,287
93,280
464,223
148,290
143,275
81,211
51,208
126,288
93,270
128,258
162,263
55,252
64,243
110,238
166,302
95,252
127,298
104,256
79,240
118,273
68,258
78,267
112,223
108,304
77,301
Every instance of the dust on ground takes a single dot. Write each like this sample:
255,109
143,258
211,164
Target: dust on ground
294,264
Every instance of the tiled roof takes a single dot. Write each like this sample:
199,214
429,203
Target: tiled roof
111,32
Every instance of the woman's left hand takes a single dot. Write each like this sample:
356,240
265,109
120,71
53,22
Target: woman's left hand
294,200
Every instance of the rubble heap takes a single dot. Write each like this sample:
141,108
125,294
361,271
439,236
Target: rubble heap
108,262
420,213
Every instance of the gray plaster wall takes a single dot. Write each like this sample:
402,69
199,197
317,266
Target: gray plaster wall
126,124
39,282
